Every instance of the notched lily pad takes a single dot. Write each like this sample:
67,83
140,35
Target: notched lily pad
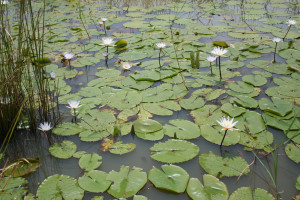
293,152
89,162
246,193
64,150
229,165
13,188
172,178
174,151
94,181
182,129
120,148
146,126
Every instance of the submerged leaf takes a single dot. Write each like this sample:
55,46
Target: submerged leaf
22,167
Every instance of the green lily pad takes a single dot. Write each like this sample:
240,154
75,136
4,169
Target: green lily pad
192,103
13,188
60,187
146,75
232,110
251,122
22,167
246,193
93,135
280,123
162,108
256,141
276,106
256,80
215,136
89,162
157,94
134,84
298,183
240,87
139,197
174,151
124,100
157,135
120,148
94,181
132,56
64,150
245,101
79,154
126,183
146,126
67,129
172,178
293,152
208,114
182,129
108,73
212,188
223,166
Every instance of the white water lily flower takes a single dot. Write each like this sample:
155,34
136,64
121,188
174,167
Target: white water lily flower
161,45
45,126
291,22
73,104
52,75
219,51
277,40
103,19
228,123
107,42
100,23
68,56
211,58
126,66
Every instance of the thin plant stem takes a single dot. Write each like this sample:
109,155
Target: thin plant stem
104,27
223,139
211,72
159,57
286,32
275,51
220,68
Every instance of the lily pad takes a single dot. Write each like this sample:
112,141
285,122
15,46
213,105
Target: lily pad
208,114
240,87
22,167
246,193
132,56
162,108
174,151
192,103
251,122
232,110
293,152
157,94
89,162
245,101
276,106
94,181
215,136
64,150
126,183
182,129
256,141
172,178
212,188
256,80
13,188
157,135
124,100
60,187
120,148
223,166
146,126
67,129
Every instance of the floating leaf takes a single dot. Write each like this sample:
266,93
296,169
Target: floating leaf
132,56
245,101
94,181
89,162
22,167
120,148
157,135
256,80
232,110
276,106
60,187
257,141
162,108
280,123
174,151
215,135
146,126
157,94
298,183
13,188
240,87
124,100
121,43
146,75
251,122
220,44
134,84
223,166
212,188
246,193
172,178
64,150
139,197
192,103
293,152
208,114
182,129
126,183
67,129
108,73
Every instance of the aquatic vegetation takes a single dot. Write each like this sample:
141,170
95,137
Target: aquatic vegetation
170,104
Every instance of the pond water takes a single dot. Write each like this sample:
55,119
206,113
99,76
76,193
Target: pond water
113,97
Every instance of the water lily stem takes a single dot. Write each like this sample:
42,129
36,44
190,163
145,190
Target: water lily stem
75,117
159,58
275,51
220,68
286,33
223,140
211,72
104,28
